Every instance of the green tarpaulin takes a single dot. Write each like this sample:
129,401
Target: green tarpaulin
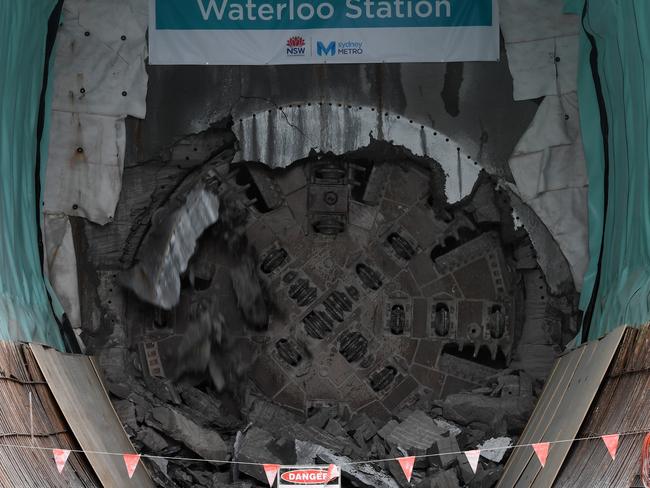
615,66
25,312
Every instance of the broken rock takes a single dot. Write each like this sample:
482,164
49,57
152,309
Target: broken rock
151,440
442,479
418,431
259,446
362,475
465,408
495,449
205,442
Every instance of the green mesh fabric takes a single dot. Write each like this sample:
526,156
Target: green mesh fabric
621,32
25,312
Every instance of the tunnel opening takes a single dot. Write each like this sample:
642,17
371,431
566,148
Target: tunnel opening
340,287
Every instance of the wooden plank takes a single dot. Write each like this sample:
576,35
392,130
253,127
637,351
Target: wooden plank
521,456
622,405
560,411
577,401
87,409
27,467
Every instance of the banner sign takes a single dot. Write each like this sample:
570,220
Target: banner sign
307,477
259,32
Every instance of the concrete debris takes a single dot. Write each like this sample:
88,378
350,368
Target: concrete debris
497,410
442,479
187,421
447,444
169,246
388,429
491,412
205,442
360,475
334,427
448,426
158,469
207,410
418,432
259,445
151,440
486,478
494,449
126,412
398,473
363,425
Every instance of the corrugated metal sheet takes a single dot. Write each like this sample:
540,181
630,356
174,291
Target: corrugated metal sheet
79,392
560,411
622,405
282,136
20,375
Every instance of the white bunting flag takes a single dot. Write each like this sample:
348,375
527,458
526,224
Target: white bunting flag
472,458
60,458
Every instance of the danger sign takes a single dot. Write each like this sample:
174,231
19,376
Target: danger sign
307,477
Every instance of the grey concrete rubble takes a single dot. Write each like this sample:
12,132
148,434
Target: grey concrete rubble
499,410
271,434
495,449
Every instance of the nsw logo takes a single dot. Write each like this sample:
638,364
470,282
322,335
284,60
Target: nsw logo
323,49
296,46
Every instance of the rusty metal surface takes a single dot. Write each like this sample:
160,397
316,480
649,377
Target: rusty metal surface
622,405
80,394
22,467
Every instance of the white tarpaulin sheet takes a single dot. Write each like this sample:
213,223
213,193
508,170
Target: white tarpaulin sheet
61,266
99,79
259,32
100,54
549,168
542,46
85,162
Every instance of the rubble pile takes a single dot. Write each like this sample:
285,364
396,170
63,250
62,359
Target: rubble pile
194,423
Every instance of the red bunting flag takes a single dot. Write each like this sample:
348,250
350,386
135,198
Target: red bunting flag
541,450
333,472
60,458
271,471
611,442
131,461
472,458
407,466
